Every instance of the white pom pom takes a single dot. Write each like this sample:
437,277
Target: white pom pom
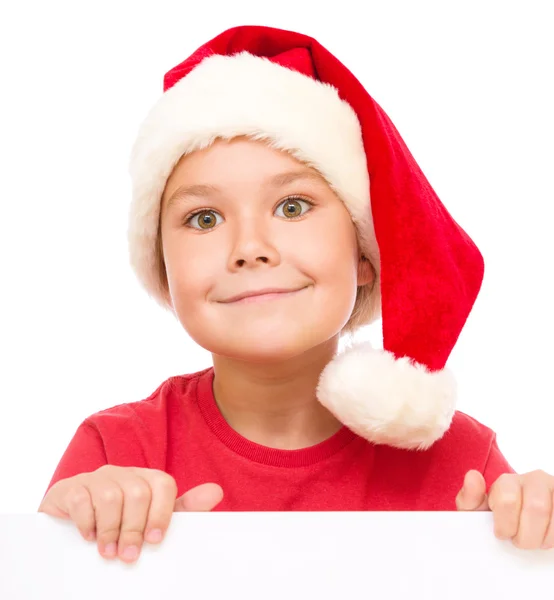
399,403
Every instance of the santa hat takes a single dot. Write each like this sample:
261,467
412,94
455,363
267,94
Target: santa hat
287,89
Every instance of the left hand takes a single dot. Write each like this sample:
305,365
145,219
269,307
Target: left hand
522,506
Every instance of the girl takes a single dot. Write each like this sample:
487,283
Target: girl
275,207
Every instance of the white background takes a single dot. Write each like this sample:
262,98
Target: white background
469,86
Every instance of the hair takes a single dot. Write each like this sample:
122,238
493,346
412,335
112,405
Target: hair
362,313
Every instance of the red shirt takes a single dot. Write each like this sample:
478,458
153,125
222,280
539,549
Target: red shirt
180,430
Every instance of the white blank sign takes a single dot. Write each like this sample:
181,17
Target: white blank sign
279,556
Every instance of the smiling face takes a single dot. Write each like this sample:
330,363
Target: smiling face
242,219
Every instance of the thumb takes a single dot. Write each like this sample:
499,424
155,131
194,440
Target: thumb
201,498
473,495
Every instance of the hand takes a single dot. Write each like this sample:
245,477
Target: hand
116,505
522,506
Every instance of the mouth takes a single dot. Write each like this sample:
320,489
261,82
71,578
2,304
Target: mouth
262,295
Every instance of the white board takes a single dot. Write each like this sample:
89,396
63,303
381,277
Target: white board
279,556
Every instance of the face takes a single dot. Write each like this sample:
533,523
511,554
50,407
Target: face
261,255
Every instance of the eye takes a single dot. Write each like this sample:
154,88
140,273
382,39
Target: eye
204,219
293,208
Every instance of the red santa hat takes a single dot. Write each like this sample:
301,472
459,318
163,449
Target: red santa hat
287,89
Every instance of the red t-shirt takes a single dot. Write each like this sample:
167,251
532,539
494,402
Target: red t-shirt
180,430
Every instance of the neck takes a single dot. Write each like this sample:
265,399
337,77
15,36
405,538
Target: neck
275,404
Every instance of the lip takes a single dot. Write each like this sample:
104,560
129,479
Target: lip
263,294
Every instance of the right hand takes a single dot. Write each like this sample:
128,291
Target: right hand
121,507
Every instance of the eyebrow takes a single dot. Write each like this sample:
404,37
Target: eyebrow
205,190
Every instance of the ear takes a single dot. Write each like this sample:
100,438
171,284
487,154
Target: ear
366,272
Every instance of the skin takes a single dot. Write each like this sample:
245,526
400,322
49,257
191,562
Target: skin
267,353
521,504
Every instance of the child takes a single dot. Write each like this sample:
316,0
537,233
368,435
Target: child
275,207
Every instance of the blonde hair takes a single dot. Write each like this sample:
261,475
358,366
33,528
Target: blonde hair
363,312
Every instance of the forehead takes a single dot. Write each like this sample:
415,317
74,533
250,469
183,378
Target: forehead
207,171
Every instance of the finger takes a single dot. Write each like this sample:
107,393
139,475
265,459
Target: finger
70,499
201,498
535,514
164,491
136,504
53,502
473,494
76,503
505,501
107,500
548,542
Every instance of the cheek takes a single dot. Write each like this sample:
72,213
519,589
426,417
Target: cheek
328,256
190,274
327,252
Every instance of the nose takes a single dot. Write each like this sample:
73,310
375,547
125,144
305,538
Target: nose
252,246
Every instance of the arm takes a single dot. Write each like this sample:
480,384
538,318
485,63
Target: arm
85,453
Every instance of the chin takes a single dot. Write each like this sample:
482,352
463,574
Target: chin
266,347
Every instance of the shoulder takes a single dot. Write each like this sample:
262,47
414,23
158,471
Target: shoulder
171,396
134,433
466,428
143,433
435,476
467,443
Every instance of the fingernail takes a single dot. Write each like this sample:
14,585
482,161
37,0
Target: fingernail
111,549
130,553
154,536
547,547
